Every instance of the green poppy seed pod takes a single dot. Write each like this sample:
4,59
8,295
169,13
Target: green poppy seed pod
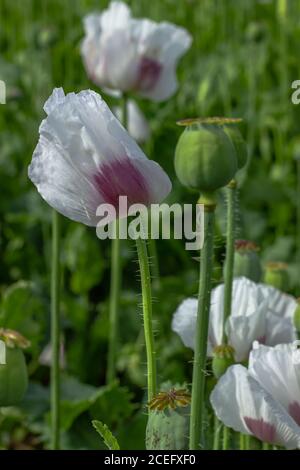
168,429
246,261
223,357
13,377
239,144
168,421
276,275
297,317
13,371
205,158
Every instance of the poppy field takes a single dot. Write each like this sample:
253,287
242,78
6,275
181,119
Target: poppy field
149,225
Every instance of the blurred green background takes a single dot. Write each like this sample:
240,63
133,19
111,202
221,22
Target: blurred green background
242,62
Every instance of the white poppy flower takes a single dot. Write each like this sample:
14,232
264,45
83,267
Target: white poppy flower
137,124
121,53
264,400
277,369
251,318
85,158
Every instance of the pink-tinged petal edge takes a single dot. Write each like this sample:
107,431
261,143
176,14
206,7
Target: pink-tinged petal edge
122,178
264,431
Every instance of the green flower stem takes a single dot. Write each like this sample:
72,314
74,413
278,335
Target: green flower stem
244,441
198,385
226,438
230,235
298,207
147,315
217,431
154,264
55,332
115,285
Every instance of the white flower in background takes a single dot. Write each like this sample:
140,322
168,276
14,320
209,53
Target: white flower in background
258,312
45,358
263,401
85,158
2,353
124,54
137,124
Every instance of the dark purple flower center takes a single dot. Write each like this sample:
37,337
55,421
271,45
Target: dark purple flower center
122,178
294,411
148,73
264,431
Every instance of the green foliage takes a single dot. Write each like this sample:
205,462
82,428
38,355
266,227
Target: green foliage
109,440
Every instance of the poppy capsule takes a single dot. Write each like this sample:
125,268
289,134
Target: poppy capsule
239,144
205,158
246,260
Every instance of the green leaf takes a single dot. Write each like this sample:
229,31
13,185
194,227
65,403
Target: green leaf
109,439
82,247
76,398
114,405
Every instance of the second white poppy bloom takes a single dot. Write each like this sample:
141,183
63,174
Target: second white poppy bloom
256,314
85,158
121,53
264,400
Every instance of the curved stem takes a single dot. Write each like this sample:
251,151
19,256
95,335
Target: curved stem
115,285
198,386
230,235
147,315
55,332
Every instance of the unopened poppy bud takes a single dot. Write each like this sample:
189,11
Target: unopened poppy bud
13,371
297,316
246,260
239,144
276,275
205,158
223,357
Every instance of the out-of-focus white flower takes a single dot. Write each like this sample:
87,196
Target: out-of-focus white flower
45,358
258,312
2,353
85,158
263,401
121,53
137,124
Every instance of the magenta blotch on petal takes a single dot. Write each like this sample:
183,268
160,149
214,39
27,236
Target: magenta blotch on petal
266,432
120,177
148,74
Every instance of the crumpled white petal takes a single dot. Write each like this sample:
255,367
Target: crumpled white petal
277,369
184,321
279,302
242,404
85,157
251,318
